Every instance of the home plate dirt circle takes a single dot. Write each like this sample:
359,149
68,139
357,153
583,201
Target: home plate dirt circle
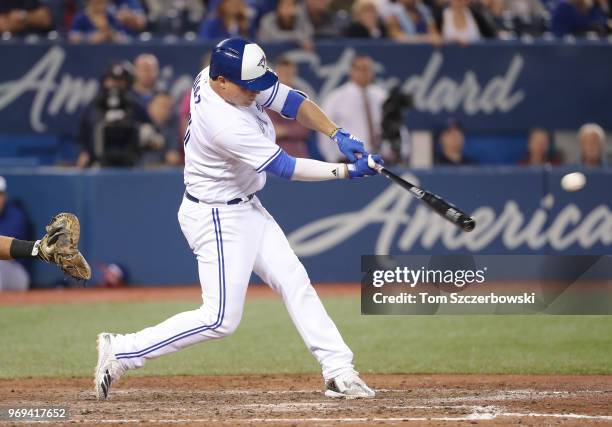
297,399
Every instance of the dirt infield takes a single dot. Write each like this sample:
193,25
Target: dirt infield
431,400
141,294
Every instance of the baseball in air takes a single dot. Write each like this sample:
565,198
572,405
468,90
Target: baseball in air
573,181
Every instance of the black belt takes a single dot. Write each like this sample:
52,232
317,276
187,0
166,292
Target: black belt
231,202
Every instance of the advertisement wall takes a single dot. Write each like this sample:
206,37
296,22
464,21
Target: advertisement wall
492,87
130,217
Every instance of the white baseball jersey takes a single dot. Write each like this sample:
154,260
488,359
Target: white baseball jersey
226,149
228,146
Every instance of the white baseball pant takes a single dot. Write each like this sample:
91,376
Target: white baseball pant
231,241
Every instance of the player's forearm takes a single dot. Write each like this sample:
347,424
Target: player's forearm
5,247
312,117
315,170
288,167
11,248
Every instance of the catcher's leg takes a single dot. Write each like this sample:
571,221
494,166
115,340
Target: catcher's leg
13,276
224,240
279,267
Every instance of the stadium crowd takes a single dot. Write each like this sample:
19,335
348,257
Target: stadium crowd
303,22
150,130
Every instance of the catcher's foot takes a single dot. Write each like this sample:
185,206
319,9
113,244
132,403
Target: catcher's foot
348,385
108,368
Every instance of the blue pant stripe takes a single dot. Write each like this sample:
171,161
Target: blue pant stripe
222,264
220,315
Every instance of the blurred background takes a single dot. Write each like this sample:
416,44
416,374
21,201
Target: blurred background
488,103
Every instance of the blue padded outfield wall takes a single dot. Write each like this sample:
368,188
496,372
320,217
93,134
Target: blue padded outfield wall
129,217
491,87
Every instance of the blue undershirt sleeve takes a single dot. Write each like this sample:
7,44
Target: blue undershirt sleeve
283,165
292,104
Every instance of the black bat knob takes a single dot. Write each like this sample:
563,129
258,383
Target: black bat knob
467,224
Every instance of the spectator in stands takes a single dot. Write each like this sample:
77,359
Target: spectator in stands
290,135
231,19
450,146
411,21
24,16
146,73
527,16
606,7
366,22
437,8
63,12
592,140
539,151
326,23
96,24
162,114
285,24
356,105
577,17
174,17
115,130
287,71
486,13
13,223
459,24
130,15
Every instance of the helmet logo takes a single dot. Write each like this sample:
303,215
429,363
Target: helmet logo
262,62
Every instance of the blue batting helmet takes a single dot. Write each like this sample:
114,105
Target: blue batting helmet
243,62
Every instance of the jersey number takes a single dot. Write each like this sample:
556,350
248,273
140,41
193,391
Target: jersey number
196,99
196,89
188,131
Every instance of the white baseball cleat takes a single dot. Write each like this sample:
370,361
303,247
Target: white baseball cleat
348,385
108,368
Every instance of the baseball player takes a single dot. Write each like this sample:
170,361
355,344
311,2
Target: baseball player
229,148
58,246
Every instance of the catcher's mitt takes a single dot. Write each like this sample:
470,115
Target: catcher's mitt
60,246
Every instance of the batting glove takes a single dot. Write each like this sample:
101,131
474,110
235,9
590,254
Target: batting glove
348,144
360,168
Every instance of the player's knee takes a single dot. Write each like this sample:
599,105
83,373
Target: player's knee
227,326
220,322
229,320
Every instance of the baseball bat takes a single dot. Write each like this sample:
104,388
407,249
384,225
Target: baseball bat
439,205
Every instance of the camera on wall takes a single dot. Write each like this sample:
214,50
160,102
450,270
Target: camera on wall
120,134
395,144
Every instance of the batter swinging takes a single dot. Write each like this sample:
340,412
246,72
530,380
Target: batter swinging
229,145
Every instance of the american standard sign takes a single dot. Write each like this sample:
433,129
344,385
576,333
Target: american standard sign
405,224
517,212
491,87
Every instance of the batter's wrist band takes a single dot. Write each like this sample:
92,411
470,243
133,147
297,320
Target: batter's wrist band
334,132
23,248
341,171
